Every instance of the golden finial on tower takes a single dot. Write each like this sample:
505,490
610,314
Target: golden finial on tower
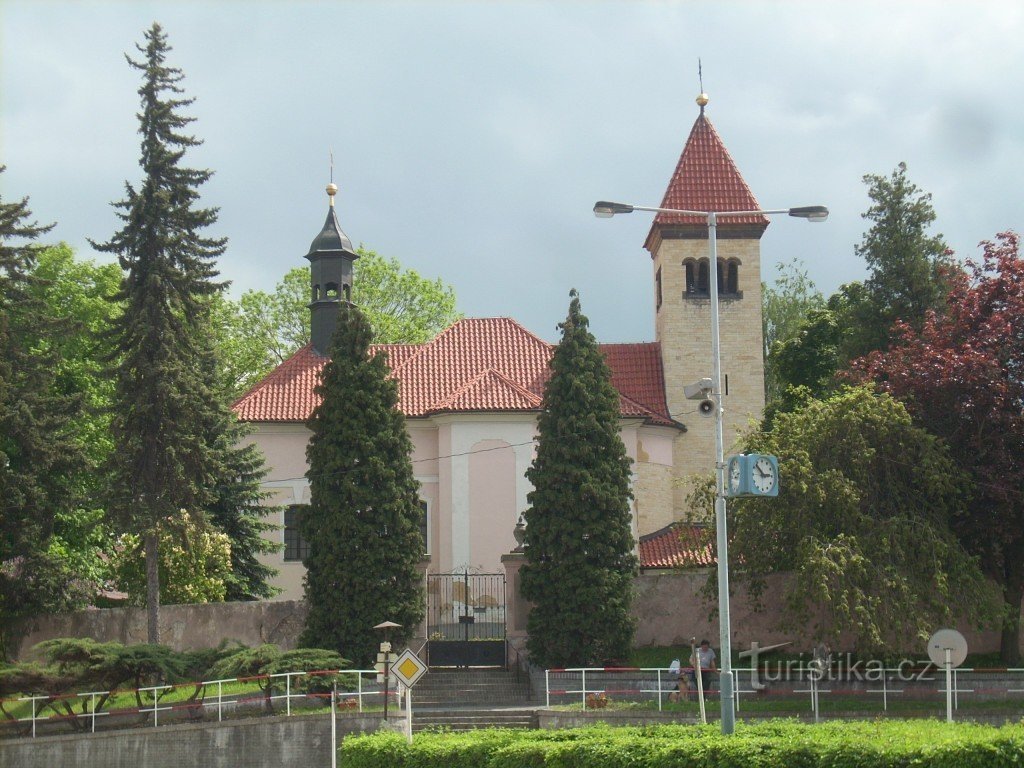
702,99
332,188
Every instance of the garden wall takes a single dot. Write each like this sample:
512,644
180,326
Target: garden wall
668,607
300,741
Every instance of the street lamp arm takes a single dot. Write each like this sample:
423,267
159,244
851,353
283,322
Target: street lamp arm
605,209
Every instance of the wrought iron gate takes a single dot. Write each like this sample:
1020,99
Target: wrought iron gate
466,619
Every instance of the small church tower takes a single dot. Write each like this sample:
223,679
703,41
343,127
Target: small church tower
706,179
331,257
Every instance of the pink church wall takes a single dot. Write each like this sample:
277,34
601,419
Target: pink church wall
492,503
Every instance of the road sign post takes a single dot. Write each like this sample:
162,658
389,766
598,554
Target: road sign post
408,668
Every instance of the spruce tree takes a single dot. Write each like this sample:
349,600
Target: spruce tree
163,462
362,523
236,508
579,544
908,267
39,457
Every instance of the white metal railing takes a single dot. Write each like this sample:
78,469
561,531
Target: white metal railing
355,686
641,683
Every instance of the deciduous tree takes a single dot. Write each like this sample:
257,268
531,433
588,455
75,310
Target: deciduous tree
579,544
861,525
262,329
962,377
362,523
785,305
195,560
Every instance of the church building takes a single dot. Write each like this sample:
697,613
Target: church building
471,396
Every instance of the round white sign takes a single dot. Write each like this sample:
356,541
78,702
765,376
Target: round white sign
951,640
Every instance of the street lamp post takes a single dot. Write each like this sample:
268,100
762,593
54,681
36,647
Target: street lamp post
604,210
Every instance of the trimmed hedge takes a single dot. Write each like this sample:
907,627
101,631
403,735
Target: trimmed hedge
770,744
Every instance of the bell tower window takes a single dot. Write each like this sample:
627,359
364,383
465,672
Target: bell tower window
732,278
703,283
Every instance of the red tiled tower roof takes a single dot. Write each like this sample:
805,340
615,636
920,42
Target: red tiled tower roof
705,179
680,545
476,365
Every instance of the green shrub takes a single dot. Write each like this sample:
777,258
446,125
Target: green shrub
770,744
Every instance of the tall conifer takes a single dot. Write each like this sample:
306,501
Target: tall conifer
362,523
39,457
163,461
579,544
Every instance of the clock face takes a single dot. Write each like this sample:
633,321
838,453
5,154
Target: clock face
763,476
735,471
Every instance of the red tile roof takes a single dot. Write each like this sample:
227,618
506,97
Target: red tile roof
706,179
680,545
476,365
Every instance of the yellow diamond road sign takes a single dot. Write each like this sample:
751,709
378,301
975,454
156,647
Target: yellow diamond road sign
408,669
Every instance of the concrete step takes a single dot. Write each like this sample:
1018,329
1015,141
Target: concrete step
465,720
444,688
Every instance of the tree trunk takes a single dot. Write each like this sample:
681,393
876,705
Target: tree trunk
152,588
1009,645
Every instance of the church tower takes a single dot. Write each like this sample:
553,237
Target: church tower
706,179
330,259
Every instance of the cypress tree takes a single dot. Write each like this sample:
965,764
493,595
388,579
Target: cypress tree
362,523
163,461
39,457
579,545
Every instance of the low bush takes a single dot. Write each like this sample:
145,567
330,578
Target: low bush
769,744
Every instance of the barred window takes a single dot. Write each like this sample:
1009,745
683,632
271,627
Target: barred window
296,548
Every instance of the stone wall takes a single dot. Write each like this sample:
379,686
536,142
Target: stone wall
183,627
670,610
267,742
668,606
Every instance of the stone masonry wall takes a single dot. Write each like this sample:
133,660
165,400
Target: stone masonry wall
683,326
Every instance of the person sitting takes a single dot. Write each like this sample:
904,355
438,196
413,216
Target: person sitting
704,659
674,671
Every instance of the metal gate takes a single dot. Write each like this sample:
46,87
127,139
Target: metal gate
466,619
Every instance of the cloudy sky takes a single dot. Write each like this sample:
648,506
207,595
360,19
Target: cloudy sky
472,139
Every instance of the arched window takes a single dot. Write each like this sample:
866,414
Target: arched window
347,291
691,276
331,291
316,293
657,289
703,281
732,278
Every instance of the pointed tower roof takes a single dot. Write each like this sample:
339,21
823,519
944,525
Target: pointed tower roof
331,237
706,179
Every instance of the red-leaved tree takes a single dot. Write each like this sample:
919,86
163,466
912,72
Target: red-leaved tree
962,378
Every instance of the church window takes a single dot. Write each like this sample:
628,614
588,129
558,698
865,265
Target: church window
657,288
732,278
703,282
691,277
425,526
296,548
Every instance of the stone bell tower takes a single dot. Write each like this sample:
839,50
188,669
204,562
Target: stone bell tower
706,179
330,259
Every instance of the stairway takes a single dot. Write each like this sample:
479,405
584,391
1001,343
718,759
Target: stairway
464,699
469,719
493,688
